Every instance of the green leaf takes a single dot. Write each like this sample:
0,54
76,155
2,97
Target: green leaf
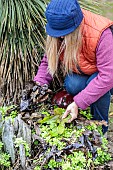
60,128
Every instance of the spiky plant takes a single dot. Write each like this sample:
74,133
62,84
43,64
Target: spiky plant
22,34
22,25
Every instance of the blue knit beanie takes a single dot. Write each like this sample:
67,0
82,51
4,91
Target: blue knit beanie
63,17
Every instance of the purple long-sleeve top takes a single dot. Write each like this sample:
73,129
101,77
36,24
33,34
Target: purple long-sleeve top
100,84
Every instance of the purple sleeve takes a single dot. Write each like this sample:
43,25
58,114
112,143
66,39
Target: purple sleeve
43,76
104,80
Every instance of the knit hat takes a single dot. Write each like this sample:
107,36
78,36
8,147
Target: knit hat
63,17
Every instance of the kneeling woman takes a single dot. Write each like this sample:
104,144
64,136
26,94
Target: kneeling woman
83,42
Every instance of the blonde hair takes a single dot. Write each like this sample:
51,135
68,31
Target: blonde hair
71,45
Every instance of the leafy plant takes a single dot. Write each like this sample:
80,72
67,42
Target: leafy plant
56,133
86,113
13,114
4,158
37,167
4,112
102,157
21,42
19,141
1,146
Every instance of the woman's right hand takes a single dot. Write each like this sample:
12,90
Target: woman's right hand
72,109
40,93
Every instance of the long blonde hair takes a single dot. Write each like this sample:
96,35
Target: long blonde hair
71,45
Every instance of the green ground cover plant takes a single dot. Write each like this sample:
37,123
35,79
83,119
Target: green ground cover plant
4,158
65,147
59,145
4,112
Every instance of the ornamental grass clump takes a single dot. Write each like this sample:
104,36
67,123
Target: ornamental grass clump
21,43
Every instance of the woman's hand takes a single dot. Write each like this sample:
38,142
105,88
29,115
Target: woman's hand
72,109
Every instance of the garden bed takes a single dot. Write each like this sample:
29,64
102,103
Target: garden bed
36,137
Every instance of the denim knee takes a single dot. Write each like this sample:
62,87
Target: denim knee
91,78
75,83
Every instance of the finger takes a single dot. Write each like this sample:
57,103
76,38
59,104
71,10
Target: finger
65,114
73,116
70,120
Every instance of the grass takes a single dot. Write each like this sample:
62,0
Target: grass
108,10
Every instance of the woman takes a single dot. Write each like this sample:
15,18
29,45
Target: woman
83,43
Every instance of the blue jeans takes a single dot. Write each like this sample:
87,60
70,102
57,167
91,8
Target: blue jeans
75,83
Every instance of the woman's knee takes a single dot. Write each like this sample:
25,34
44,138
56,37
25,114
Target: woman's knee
91,77
70,86
74,83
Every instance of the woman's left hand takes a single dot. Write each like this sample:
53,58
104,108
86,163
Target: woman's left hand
72,109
